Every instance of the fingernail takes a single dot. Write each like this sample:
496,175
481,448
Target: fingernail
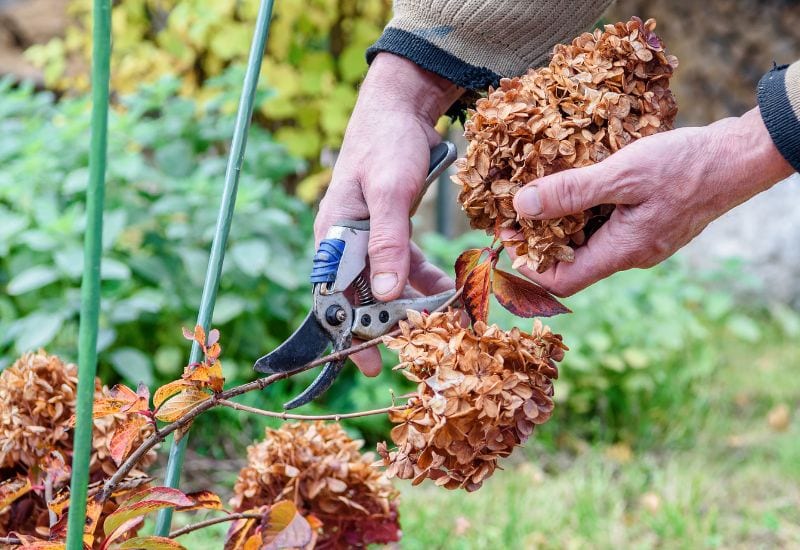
527,202
383,283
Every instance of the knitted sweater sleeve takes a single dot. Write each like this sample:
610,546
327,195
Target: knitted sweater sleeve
473,43
779,102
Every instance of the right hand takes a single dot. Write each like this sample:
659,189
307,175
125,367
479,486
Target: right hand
381,170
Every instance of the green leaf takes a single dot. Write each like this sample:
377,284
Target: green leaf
132,365
251,256
114,269
744,327
31,279
36,331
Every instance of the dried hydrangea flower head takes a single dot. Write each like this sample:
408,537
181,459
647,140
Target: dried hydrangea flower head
37,400
321,469
480,392
598,94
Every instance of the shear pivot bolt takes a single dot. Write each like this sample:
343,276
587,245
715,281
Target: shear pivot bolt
335,315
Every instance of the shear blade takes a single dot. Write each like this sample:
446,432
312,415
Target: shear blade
319,386
307,343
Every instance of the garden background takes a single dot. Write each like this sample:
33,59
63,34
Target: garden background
675,420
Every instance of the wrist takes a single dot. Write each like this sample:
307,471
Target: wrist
398,84
748,154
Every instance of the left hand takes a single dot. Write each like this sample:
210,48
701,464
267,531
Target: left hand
666,187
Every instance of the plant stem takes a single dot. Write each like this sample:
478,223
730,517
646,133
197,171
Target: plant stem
216,399
244,115
289,416
90,285
213,521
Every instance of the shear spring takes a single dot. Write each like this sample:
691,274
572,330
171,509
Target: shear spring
363,291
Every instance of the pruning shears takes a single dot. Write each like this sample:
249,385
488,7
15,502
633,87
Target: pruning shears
344,306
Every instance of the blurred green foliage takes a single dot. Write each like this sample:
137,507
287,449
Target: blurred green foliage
641,344
164,180
314,61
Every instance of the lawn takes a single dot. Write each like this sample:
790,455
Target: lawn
737,486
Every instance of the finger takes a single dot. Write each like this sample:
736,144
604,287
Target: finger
603,255
576,190
343,201
426,277
390,232
368,360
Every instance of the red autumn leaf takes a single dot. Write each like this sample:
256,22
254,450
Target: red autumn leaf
124,437
286,528
93,510
60,502
150,543
122,530
119,399
29,541
237,535
202,500
213,351
206,376
199,336
12,489
465,263
180,404
524,298
144,393
476,291
143,502
55,468
254,542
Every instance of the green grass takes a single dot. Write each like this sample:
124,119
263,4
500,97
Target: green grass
737,487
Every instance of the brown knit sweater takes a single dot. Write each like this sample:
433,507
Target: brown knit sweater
473,43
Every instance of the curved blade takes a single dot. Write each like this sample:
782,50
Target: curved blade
307,343
319,386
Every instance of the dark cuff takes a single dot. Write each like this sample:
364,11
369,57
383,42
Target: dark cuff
433,59
779,115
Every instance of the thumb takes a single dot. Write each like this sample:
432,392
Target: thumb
389,253
568,192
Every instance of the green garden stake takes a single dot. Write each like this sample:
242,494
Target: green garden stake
211,284
90,284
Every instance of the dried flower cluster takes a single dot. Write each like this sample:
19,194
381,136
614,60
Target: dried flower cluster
320,468
37,400
480,393
598,94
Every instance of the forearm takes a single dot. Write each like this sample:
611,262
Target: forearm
474,43
754,163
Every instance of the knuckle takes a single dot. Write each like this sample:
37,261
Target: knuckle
569,193
385,247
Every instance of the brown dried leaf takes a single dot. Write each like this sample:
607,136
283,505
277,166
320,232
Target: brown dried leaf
286,528
524,298
465,263
477,291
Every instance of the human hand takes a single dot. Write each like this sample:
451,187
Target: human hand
380,171
666,187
